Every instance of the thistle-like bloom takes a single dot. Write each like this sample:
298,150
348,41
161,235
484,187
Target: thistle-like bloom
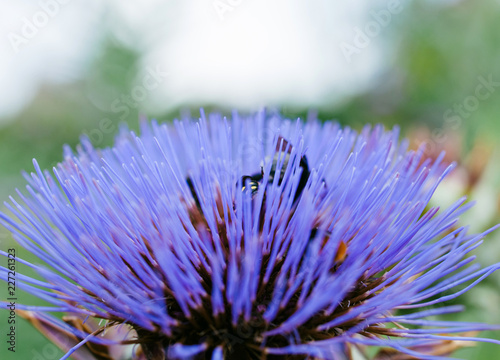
247,238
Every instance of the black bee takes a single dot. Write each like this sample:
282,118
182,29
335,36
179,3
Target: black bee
255,180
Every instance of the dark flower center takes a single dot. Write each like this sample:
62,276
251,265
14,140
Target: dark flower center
245,340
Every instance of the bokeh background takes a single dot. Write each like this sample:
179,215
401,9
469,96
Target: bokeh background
69,67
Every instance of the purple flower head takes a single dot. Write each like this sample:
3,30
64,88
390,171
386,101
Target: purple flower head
247,238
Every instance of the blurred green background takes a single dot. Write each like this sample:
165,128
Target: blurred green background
431,67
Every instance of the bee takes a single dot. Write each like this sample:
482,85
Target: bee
255,180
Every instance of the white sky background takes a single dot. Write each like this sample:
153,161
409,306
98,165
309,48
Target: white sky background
56,52
256,53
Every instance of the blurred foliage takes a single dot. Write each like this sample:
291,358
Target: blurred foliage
59,115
